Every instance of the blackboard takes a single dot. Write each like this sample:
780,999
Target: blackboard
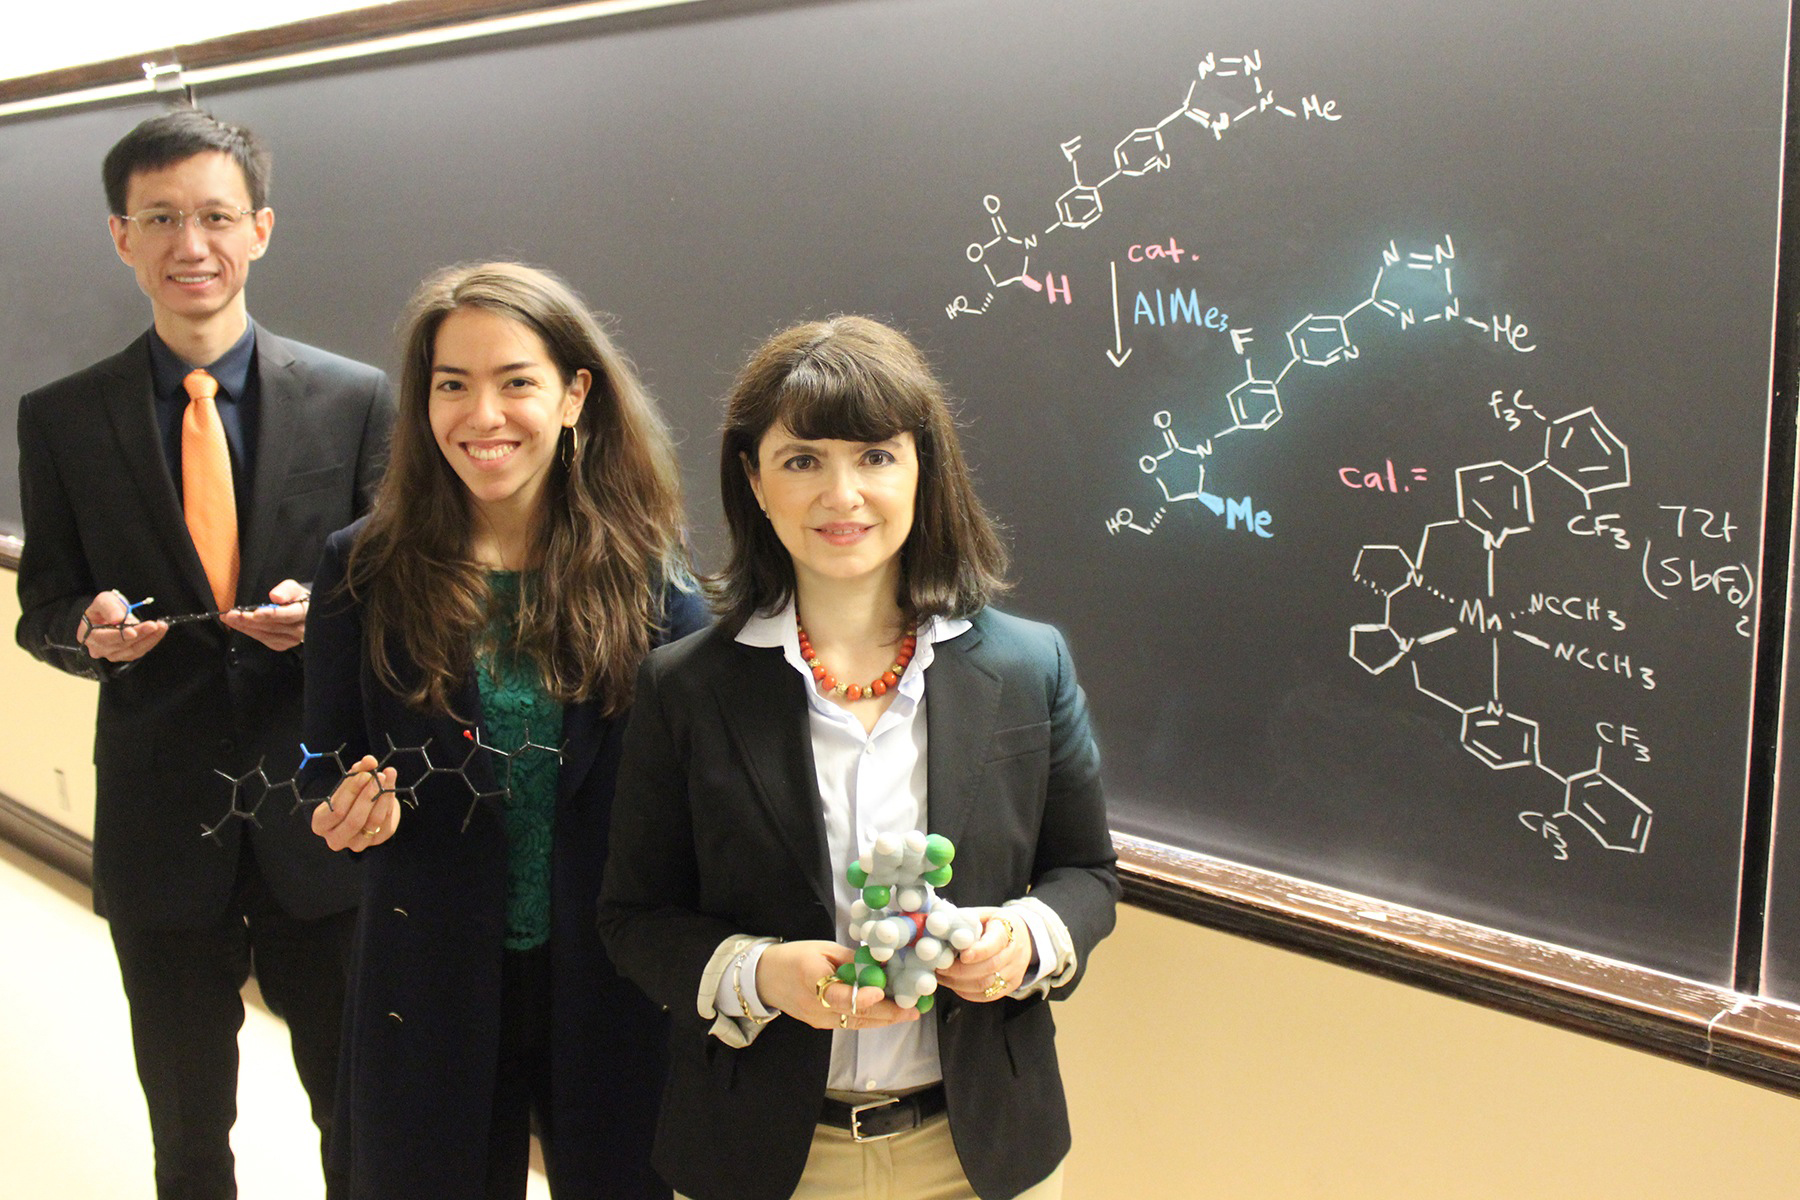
1378,395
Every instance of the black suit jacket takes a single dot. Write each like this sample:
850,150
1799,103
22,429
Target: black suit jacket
102,511
718,830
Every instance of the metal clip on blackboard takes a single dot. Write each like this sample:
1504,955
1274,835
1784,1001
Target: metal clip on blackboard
166,77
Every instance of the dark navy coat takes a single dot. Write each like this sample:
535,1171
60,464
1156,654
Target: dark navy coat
423,1022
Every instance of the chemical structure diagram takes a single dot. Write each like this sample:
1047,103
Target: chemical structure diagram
1441,613
1413,289
1451,610
1457,659
251,790
1227,94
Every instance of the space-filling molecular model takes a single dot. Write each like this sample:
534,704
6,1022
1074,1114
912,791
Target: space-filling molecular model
907,932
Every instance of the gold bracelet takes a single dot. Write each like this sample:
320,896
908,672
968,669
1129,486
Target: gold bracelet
737,969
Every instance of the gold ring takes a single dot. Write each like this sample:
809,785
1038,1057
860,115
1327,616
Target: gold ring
843,1020
825,981
1012,934
370,831
995,988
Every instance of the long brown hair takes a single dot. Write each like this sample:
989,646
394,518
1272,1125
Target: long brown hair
858,380
611,536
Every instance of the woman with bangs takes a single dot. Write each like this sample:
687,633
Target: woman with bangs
523,556
857,683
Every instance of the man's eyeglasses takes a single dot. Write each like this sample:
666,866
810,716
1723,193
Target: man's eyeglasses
215,220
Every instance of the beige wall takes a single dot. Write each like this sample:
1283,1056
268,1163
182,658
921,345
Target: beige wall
1203,1065
46,729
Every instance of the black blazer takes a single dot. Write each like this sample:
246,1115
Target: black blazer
718,830
102,511
424,1017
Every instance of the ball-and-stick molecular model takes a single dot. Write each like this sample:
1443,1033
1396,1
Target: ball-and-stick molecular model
249,791
906,932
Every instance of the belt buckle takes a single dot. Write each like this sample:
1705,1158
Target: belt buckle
856,1112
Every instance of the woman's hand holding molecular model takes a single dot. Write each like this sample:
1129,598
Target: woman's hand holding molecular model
362,811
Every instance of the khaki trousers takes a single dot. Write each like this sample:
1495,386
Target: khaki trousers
918,1165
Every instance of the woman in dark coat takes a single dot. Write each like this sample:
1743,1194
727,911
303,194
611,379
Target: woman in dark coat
487,619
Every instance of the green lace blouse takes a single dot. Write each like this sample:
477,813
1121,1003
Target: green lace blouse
518,710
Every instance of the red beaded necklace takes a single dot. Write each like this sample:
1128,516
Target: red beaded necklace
852,691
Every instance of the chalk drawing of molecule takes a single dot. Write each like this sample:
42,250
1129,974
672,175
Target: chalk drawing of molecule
1441,619
1020,249
1227,93
1413,289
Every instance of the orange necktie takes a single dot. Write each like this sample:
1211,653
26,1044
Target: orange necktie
206,495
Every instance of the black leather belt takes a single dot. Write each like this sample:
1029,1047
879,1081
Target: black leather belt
873,1120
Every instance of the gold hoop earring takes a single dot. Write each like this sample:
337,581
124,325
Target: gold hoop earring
569,449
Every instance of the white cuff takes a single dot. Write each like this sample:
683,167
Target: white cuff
1043,946
1054,945
733,968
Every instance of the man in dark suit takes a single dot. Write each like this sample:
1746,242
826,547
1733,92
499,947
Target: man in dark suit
202,466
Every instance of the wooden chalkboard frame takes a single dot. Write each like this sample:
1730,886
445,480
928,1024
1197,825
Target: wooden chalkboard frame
262,49
317,33
1730,1031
